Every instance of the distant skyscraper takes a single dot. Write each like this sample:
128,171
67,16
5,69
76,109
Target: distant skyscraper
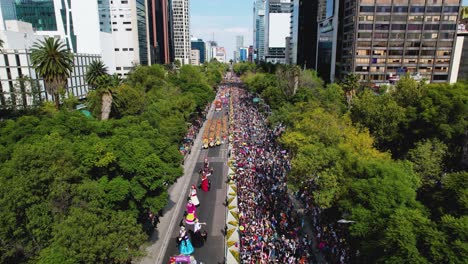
181,28
251,53
243,54
259,30
210,50
199,44
159,31
239,45
277,29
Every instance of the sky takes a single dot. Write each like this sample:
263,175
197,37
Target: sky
225,18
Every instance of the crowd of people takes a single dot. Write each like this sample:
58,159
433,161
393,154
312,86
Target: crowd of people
194,128
332,239
270,227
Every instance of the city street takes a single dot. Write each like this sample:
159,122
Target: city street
211,209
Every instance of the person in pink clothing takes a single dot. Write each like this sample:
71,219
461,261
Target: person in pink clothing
191,213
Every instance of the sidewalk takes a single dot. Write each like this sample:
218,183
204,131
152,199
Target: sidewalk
308,229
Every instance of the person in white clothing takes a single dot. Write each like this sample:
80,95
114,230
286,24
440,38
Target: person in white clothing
199,237
193,196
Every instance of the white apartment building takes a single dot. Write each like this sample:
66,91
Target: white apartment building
195,57
181,30
15,63
76,22
129,32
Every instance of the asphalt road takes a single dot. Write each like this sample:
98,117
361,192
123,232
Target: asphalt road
211,210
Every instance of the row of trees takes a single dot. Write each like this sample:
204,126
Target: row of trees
392,162
76,189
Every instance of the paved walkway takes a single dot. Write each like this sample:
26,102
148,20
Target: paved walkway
308,228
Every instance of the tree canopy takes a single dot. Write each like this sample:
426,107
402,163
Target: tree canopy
77,190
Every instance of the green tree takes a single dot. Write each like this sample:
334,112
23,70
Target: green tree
428,157
54,63
95,69
101,99
381,115
350,84
288,77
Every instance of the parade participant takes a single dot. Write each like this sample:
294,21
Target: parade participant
185,246
191,213
193,196
205,185
198,238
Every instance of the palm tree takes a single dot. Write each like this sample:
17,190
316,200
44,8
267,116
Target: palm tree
105,84
95,70
349,85
53,61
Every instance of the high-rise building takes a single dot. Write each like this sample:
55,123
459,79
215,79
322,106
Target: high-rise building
259,30
277,29
243,54
220,54
380,39
303,45
57,18
199,44
159,29
130,34
210,50
195,57
251,54
239,45
459,69
181,29
16,92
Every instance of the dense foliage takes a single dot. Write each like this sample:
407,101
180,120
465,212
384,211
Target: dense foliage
394,163
75,189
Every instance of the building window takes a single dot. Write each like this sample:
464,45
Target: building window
413,35
433,9
450,9
367,9
365,35
427,53
417,9
382,26
400,9
130,49
124,2
127,23
365,26
415,26
398,26
415,18
398,52
448,27
399,18
114,29
431,27
440,77
383,9
380,35
116,49
124,49
128,29
118,68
